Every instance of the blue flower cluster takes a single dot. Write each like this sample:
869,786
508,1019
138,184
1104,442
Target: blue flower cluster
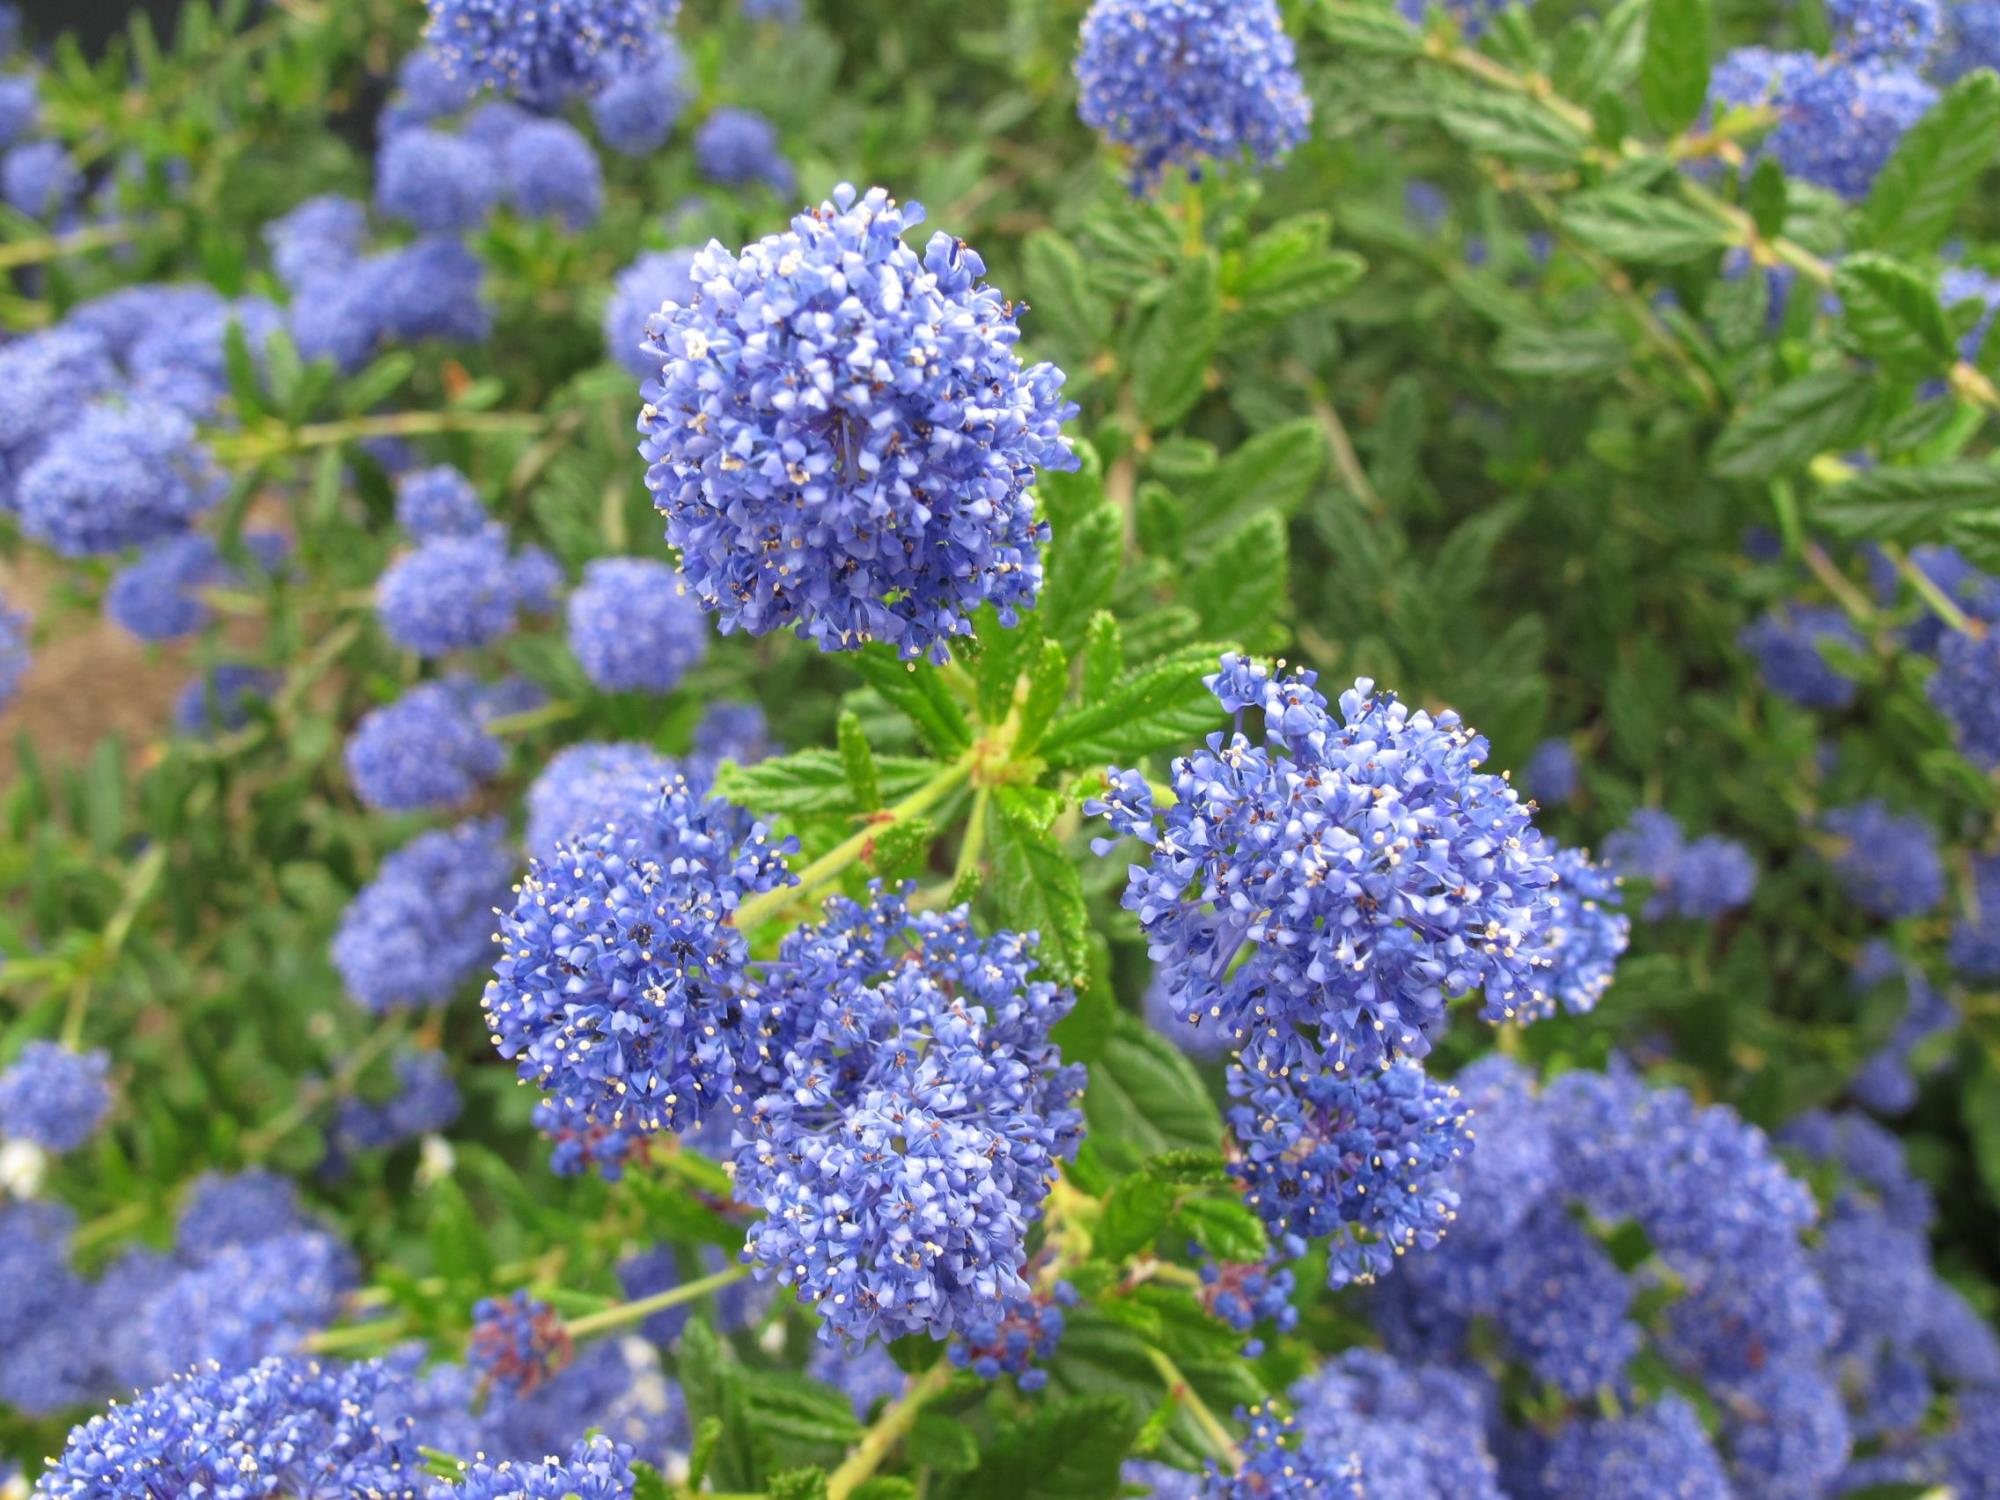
865,1376
1886,1083
737,147
424,924
866,475
426,1100
543,51
636,111
1246,1293
158,598
1589,934
1182,82
430,747
517,1343
1007,1338
1971,40
621,985
1788,645
54,1096
1551,773
632,627
15,657
591,787
1888,864
1704,878
454,593
596,1469
914,1115
551,172
117,477
641,290
438,502
219,699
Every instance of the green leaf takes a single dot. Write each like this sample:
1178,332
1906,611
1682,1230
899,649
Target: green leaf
1980,1105
1048,685
857,762
1894,314
1917,195
1906,505
1004,656
1063,1450
1176,343
1361,28
785,1404
1313,282
1641,228
885,1487
1145,1096
1201,1168
917,689
1037,885
1061,304
1225,1228
1513,128
1559,353
1133,1216
1162,707
1082,573
1825,409
1673,74
817,782
1103,656
942,1442
713,1385
1766,199
1239,588
797,1484
1273,471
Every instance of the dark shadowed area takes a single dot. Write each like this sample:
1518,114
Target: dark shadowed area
92,20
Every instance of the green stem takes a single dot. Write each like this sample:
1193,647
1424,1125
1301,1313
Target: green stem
97,237
1181,1391
1942,604
139,884
1836,583
252,446
626,1313
533,718
828,866
888,1430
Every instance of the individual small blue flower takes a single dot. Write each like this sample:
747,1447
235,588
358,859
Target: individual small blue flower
219,699
1788,645
15,657
589,787
426,1100
551,172
865,1377
438,502
283,1427
424,925
247,1302
39,179
619,984
1008,1338
1896,30
54,1096
913,1117
1551,773
1318,896
632,627
427,749
543,51
158,597
20,106
322,237
439,183
739,146
596,1469
641,290
1888,864
1659,1453
1364,1160
842,480
120,476
1180,82
517,1342
1971,40
637,109
451,594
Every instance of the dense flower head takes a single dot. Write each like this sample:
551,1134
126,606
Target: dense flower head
1363,1159
44,379
1342,1458
1438,1414
1965,688
517,1342
219,700
424,924
1703,878
438,502
1319,897
1659,1453
438,183
36,1282
157,597
592,786
1550,775
640,290
596,1469
426,89
543,51
284,1427
1839,122
1788,646
636,110
1888,864
620,989
20,105
428,289
732,731
39,179
842,437
184,364
1008,1338
865,1376
429,748
536,578
1872,1159
1589,932
117,477
1896,29
551,172
236,1209
246,1303
451,593
1180,82
15,657
914,1117
1877,1274
1564,1308
1246,1293
632,627
1971,40
426,1100
1163,1015
54,1096
614,1386
1975,937
1956,1343
737,147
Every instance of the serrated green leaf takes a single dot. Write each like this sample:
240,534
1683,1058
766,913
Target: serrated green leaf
1004,656
1894,314
1176,343
1103,656
1082,573
798,1484
1369,29
1224,1227
1273,471
1239,587
1037,884
1165,706
1559,353
1906,505
785,1404
1673,74
1917,195
1063,1450
713,1385
1048,685
857,763
916,689
1514,129
1133,1216
1820,411
1644,229
817,782
1145,1096
1062,307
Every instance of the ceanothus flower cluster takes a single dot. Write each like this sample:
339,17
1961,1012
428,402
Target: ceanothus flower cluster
636,111
914,1115
430,747
1182,82
117,477
842,437
15,656
157,598
593,786
632,627
737,147
596,1469
1788,646
1588,935
1888,864
640,290
543,51
621,986
438,502
1702,878
424,924
518,1343
452,593
54,1096
1320,896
